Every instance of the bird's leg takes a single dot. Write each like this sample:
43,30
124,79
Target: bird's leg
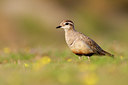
80,57
88,58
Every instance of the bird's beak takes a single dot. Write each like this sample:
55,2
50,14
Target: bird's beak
58,27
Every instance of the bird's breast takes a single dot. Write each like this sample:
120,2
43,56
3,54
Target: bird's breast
80,47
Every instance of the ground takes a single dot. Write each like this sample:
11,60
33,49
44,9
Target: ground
31,66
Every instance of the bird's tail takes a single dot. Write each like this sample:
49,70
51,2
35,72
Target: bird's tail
107,53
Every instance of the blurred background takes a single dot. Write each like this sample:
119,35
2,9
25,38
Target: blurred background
33,22
34,52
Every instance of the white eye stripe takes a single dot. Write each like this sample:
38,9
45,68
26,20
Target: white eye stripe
68,22
66,26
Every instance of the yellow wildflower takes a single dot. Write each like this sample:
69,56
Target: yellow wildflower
7,50
45,60
69,60
26,65
41,63
90,79
121,57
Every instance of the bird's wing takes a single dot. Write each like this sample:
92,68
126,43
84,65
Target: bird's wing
92,44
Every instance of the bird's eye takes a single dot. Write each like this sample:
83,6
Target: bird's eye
66,23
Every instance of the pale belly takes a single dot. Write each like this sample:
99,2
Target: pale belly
80,47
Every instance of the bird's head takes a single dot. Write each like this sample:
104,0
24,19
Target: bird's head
66,25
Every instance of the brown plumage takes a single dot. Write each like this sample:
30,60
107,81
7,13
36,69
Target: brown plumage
79,43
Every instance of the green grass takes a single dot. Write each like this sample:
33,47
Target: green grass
61,67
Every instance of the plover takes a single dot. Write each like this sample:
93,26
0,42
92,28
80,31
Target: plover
79,43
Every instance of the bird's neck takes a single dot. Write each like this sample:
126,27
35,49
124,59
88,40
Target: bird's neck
69,31
69,34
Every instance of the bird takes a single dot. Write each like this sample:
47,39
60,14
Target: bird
79,43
